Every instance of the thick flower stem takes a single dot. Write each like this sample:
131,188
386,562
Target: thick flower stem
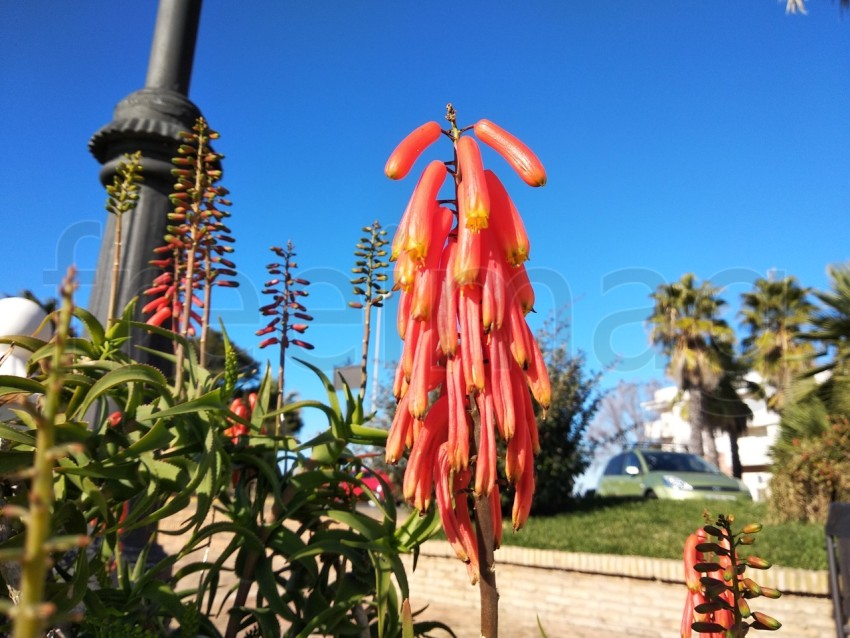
488,593
487,590
364,355
32,612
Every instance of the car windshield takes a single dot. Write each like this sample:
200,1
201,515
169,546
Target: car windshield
677,462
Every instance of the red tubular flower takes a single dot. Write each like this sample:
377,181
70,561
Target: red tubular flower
426,285
401,425
509,236
420,376
485,465
473,199
471,335
237,429
447,311
502,383
410,148
467,261
464,296
445,493
522,498
422,206
418,476
458,432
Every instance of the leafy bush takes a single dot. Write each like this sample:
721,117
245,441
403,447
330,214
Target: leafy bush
128,453
811,473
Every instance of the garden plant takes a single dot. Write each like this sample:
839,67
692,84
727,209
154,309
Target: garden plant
98,446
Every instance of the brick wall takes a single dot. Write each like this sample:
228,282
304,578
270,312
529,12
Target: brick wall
595,596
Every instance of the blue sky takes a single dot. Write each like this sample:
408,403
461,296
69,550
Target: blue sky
709,137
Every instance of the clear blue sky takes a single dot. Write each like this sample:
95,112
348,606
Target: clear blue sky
709,137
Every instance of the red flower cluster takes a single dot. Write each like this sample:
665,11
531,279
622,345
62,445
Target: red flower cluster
243,410
464,296
193,256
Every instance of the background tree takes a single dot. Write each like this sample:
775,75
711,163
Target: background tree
686,325
622,417
576,397
809,456
774,315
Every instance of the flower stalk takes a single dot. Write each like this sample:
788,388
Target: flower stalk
717,604
197,247
286,292
369,286
123,196
32,613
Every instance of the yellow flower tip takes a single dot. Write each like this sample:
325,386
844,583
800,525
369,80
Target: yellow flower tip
477,218
416,250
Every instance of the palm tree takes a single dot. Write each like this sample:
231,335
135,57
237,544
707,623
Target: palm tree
686,325
831,326
816,403
775,313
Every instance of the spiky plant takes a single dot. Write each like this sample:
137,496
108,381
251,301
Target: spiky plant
368,283
286,292
195,245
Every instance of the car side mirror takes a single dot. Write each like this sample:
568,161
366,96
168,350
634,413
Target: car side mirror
632,470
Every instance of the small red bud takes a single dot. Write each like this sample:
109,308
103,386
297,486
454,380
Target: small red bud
115,418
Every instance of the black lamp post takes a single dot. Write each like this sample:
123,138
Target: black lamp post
148,120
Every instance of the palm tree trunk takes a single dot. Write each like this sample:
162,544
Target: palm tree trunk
737,426
695,417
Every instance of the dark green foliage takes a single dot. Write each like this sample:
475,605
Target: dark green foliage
810,455
811,471
576,398
125,435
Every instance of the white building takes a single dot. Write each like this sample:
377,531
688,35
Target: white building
753,446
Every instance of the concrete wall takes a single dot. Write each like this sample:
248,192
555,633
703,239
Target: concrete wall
595,596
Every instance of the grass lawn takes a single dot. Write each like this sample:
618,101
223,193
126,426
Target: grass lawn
658,529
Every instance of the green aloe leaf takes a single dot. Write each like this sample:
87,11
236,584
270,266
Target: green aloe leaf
158,437
209,401
365,525
13,385
32,344
14,434
131,373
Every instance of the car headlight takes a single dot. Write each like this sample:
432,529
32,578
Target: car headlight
676,483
